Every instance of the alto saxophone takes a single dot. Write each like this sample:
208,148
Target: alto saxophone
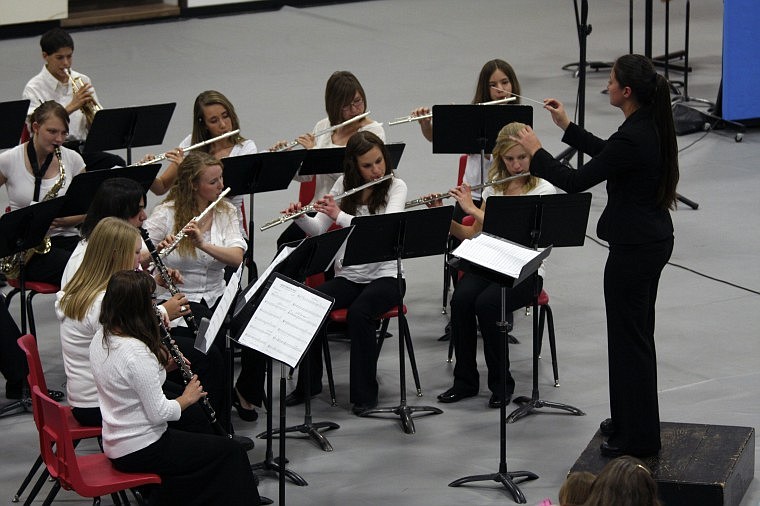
89,108
11,265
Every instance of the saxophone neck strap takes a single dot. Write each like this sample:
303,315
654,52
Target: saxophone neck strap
37,170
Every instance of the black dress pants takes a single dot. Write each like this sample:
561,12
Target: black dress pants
365,303
478,300
631,278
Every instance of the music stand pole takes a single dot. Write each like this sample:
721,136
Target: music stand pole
503,476
409,234
14,115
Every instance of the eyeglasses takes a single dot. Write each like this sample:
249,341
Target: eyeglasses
354,104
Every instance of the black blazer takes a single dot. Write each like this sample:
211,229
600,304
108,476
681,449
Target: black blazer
630,163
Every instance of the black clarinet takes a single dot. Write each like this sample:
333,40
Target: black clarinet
187,374
158,263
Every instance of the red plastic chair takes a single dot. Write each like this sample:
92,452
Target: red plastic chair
36,377
33,287
87,475
449,244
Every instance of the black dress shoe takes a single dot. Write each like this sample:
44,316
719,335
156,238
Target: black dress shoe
245,414
610,451
495,401
453,395
297,397
607,427
245,442
359,408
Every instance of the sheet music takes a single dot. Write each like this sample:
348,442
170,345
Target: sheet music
205,339
496,254
285,322
282,255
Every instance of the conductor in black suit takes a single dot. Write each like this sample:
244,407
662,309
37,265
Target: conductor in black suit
640,164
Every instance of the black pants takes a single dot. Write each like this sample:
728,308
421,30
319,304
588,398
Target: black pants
48,268
195,469
631,278
13,364
477,300
365,303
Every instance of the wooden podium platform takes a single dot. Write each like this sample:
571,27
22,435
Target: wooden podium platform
708,465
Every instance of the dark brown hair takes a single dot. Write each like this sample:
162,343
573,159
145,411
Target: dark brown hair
340,91
127,310
357,145
483,88
200,131
649,88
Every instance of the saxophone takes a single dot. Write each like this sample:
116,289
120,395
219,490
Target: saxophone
90,108
11,265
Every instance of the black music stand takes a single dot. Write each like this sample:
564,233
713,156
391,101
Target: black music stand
395,236
129,127
311,256
538,221
257,173
330,160
245,314
526,275
23,229
83,187
14,116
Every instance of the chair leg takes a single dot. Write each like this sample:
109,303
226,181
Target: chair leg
328,367
30,312
10,295
552,343
28,479
51,495
37,487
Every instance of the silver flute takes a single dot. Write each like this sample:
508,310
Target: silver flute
162,156
181,235
439,196
328,130
412,117
310,207
158,263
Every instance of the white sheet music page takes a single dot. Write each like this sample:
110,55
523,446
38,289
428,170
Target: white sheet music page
285,321
282,255
204,341
496,254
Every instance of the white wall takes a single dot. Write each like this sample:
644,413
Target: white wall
15,11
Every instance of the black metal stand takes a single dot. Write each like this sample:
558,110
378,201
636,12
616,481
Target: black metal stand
258,173
503,476
129,127
270,465
395,236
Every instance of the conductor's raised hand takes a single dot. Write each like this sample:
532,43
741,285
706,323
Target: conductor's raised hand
557,110
527,138
328,206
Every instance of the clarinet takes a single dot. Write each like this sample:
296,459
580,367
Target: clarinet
158,263
187,375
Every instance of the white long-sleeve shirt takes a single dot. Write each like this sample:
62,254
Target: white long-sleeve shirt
363,273
134,408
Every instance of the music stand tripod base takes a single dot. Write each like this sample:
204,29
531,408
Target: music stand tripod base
405,413
529,405
311,430
508,479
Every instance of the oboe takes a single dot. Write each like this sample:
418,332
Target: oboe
440,196
310,207
181,235
158,263
187,374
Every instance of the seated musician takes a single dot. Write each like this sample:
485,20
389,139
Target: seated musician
367,290
477,300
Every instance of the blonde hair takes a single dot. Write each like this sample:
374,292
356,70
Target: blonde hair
503,144
182,193
110,248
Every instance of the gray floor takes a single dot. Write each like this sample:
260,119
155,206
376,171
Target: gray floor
273,66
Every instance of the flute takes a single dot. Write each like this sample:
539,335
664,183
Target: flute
439,196
310,207
162,156
181,235
411,117
328,130
187,374
158,263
